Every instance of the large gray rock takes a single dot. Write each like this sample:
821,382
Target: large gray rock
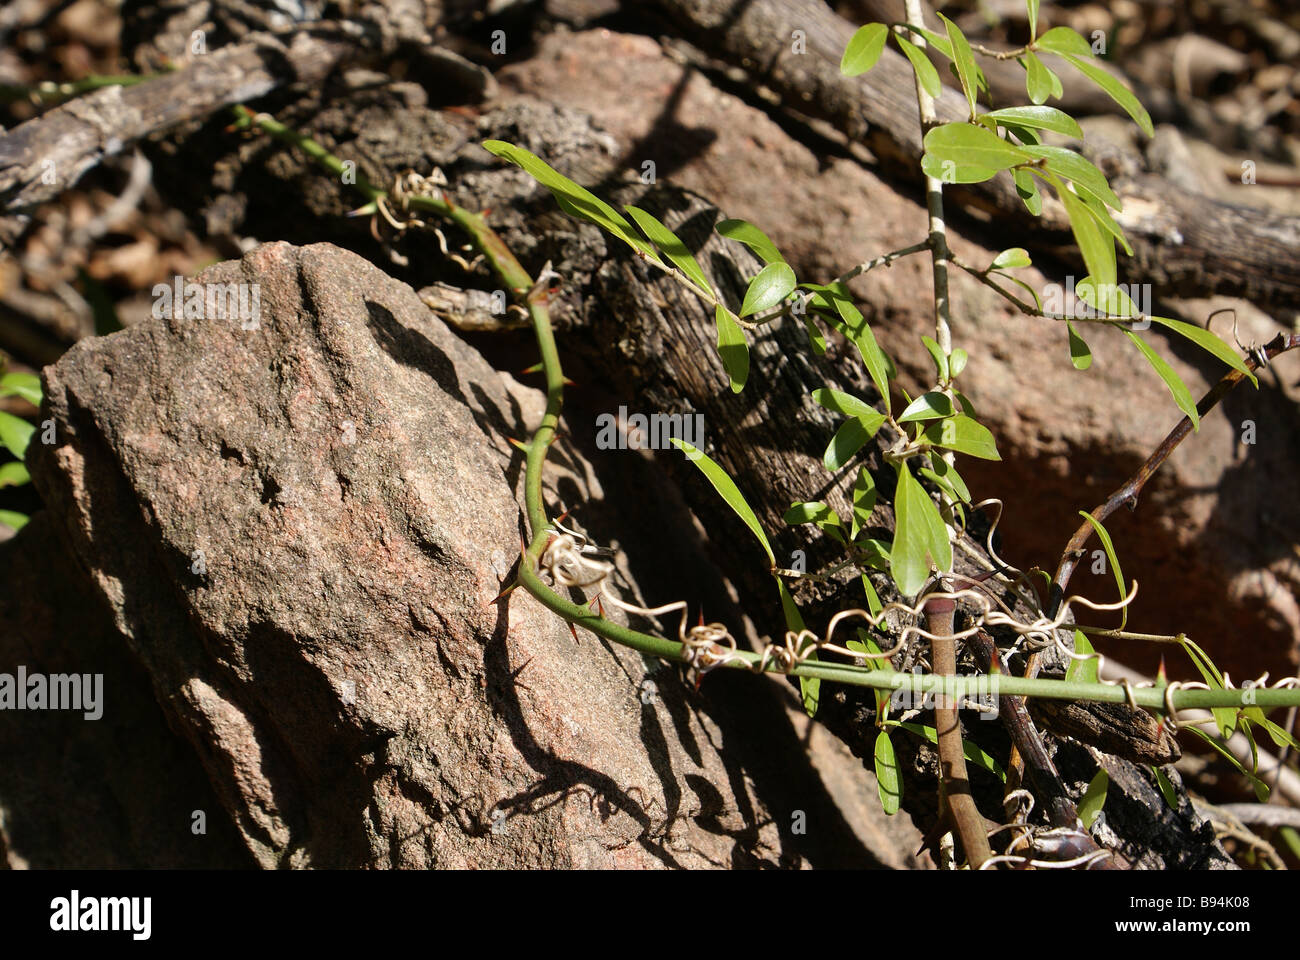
300,528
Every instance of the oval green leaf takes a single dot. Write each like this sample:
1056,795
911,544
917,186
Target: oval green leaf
925,71
964,435
1077,169
1095,245
964,60
848,440
1038,79
732,347
1064,41
1011,258
769,287
1080,355
928,406
1038,118
864,501
863,49
919,536
15,434
1094,798
969,145
25,385
845,403
889,783
13,474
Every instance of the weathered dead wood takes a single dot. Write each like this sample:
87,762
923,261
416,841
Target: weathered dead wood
43,157
1183,245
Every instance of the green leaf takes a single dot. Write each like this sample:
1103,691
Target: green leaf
725,486
1166,788
946,475
958,147
1279,734
848,440
732,348
1075,168
1023,135
813,511
1224,717
13,474
1209,342
1038,79
1182,396
1033,294
1096,247
15,434
1064,41
672,247
769,287
1033,18
815,338
13,520
1116,90
919,535
921,64
1261,788
1027,188
1086,671
928,406
855,327
889,783
1094,798
1039,118
809,687
964,435
974,755
752,237
957,362
1011,258
1109,301
1109,546
967,71
938,356
25,385
1080,355
936,40
1105,220
864,49
847,404
864,501
574,200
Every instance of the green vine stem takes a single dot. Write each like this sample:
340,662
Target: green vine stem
535,299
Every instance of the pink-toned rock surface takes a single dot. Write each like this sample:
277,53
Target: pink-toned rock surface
299,530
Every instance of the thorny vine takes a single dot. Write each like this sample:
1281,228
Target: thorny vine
567,558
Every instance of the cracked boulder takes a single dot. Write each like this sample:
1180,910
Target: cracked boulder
299,521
